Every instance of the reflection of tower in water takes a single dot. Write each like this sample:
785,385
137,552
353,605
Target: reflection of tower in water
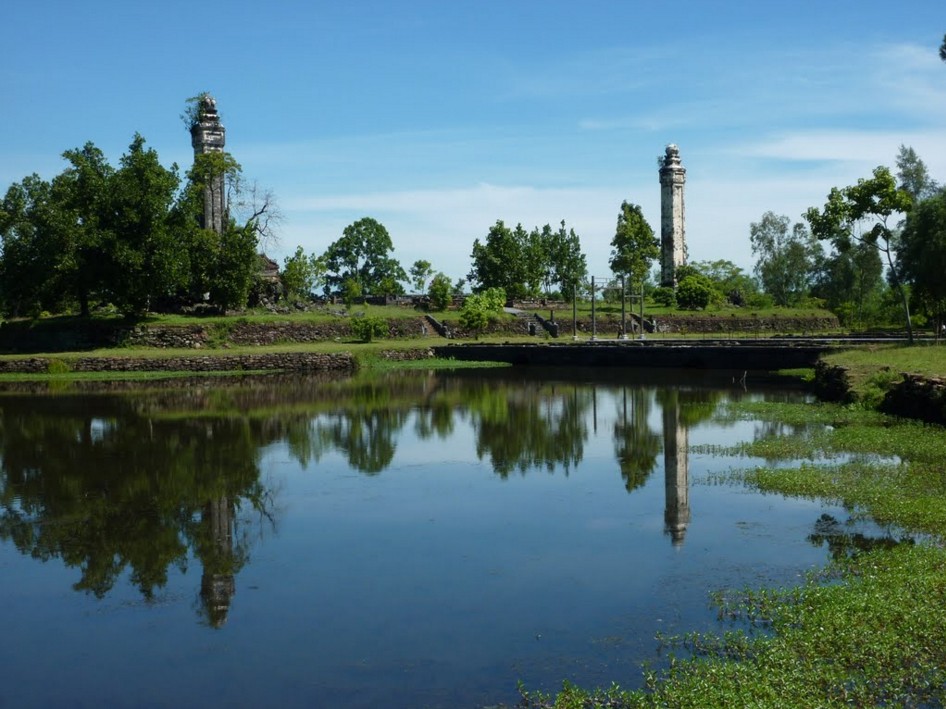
676,474
217,584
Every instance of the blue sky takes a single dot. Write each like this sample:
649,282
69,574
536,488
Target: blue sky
438,118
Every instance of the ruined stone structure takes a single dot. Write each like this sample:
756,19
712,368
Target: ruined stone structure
209,136
673,250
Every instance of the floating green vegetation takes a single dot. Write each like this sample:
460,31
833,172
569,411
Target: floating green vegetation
876,638
875,635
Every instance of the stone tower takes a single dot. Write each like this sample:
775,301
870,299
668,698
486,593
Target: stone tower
673,248
209,136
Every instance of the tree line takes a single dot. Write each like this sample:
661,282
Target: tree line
128,236
886,249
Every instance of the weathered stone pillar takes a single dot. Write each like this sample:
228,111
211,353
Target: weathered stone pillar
209,136
673,250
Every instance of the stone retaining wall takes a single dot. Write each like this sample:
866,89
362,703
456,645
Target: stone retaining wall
917,397
733,323
286,361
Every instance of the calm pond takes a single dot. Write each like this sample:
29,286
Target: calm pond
421,539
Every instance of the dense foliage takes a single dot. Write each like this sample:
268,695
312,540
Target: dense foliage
525,264
360,260
129,237
633,247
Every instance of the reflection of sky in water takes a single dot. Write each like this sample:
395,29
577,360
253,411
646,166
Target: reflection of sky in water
434,582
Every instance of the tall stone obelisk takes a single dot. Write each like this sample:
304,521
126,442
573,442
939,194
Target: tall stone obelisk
209,136
673,249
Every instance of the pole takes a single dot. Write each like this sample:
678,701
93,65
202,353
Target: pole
575,312
623,313
594,323
642,311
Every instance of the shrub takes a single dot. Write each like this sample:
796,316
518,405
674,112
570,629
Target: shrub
665,296
58,366
694,292
366,328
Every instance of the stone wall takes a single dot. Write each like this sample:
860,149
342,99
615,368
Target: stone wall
917,397
286,361
721,324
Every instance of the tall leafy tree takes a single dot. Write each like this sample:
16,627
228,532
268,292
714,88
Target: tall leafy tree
923,254
31,255
851,284
913,176
567,264
301,274
83,192
866,213
362,255
54,236
634,246
420,271
785,257
144,256
501,261
440,292
942,49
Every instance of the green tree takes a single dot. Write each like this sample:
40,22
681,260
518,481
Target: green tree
851,284
923,254
31,255
350,291
634,246
362,254
301,274
420,271
439,292
730,280
143,253
567,264
942,49
913,176
785,258
55,236
500,262
83,191
236,267
862,213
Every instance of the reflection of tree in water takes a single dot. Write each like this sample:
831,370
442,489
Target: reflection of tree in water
367,438
527,427
635,445
110,493
434,418
843,543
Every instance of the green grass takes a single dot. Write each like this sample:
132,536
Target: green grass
873,369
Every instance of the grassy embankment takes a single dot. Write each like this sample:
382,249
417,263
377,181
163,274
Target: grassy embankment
869,630
368,355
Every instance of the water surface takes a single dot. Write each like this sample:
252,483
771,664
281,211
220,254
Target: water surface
420,539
